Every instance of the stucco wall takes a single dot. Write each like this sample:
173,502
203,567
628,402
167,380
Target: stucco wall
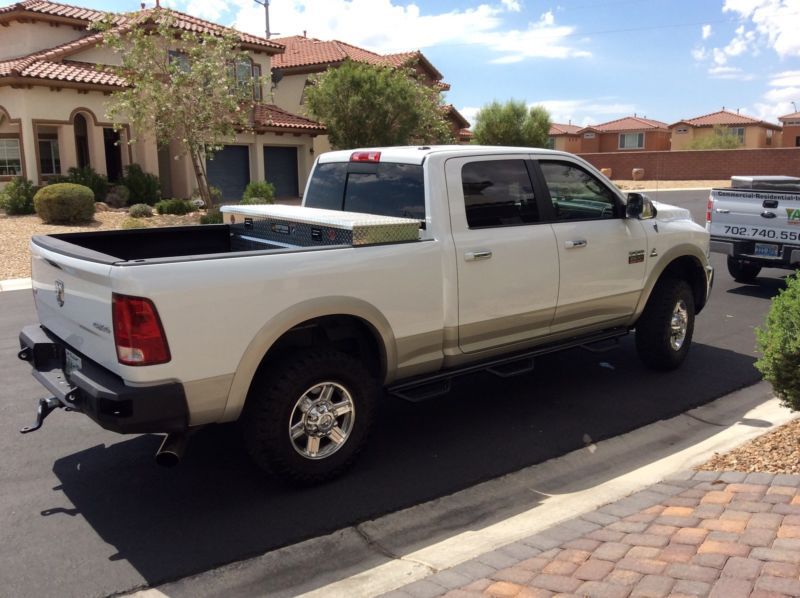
791,136
19,39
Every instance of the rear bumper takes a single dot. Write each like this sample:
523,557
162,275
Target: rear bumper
788,255
101,394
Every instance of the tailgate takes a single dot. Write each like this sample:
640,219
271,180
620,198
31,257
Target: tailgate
73,301
756,215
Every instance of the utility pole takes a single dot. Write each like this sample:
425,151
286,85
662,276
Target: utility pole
265,4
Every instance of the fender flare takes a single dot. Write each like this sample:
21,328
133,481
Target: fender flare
283,322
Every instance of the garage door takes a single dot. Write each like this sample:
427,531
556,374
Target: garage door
230,171
280,169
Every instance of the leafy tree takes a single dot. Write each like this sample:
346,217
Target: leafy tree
513,124
181,85
364,105
721,138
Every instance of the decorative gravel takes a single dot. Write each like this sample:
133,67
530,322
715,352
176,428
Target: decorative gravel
774,452
16,233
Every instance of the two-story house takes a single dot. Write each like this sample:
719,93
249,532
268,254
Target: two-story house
751,132
54,93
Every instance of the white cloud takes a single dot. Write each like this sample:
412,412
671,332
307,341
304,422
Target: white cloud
700,53
729,72
775,22
706,31
383,26
781,97
512,5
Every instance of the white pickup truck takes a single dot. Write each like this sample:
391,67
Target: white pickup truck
516,252
756,223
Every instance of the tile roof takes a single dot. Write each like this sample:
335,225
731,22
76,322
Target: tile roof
723,117
271,116
308,51
559,129
629,123
67,71
182,21
54,9
793,115
455,116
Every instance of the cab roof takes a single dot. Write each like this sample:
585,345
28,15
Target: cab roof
416,154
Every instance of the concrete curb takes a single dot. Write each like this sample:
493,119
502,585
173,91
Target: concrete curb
15,284
397,549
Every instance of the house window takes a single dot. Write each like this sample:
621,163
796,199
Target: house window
49,159
631,140
682,130
10,157
180,60
551,142
588,135
257,96
737,131
306,85
770,132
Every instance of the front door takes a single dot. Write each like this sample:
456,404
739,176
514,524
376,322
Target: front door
113,154
506,257
601,252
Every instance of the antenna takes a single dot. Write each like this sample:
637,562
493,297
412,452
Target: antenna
265,4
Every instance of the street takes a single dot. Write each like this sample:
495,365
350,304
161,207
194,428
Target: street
86,512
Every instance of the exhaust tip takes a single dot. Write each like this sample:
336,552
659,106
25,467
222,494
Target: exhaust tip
170,453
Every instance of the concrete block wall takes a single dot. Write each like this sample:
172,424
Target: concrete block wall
700,164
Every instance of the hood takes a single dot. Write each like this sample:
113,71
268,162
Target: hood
666,212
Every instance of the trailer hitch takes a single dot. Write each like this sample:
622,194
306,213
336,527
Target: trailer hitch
44,408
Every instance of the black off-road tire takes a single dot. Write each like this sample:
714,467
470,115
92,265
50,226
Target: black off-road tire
272,398
654,341
742,271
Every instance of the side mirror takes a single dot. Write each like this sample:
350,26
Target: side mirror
639,206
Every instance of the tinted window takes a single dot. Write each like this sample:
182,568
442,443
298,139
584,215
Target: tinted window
498,193
576,194
387,189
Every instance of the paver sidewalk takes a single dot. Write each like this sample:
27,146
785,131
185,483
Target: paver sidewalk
703,533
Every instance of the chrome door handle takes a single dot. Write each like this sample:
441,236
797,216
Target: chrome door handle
722,211
575,244
473,256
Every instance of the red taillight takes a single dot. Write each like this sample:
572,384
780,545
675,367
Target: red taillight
138,333
709,207
365,157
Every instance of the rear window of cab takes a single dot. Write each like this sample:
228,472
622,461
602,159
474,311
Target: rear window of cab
384,188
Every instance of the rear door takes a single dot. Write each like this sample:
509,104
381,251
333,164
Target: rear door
766,218
507,260
602,254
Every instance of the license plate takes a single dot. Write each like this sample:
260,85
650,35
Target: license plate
72,363
766,250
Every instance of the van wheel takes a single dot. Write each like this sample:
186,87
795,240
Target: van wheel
664,330
742,271
308,415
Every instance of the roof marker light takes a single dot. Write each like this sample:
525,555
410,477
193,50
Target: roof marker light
365,157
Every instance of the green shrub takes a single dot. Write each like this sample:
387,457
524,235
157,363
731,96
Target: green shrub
143,186
261,191
140,210
118,196
64,203
134,222
17,197
177,207
779,343
87,177
213,216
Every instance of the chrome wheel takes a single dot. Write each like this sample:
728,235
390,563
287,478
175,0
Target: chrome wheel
679,324
322,420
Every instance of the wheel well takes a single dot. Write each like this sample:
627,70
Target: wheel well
345,333
691,270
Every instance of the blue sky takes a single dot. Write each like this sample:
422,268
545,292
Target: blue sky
587,61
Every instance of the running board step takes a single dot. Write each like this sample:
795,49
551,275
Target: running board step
423,392
512,368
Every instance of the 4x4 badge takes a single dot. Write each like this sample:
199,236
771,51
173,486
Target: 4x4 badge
60,293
